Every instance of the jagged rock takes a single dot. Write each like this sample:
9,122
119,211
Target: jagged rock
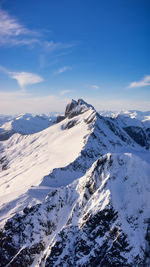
76,108
70,107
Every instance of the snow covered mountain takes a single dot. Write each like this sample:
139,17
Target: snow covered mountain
130,117
76,193
23,124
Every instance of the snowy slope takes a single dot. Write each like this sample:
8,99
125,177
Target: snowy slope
23,124
31,157
58,155
89,222
76,193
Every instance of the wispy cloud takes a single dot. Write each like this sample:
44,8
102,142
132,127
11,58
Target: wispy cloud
63,92
23,78
63,69
144,82
10,26
12,32
53,46
94,86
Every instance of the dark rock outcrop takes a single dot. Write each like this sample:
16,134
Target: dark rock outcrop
138,135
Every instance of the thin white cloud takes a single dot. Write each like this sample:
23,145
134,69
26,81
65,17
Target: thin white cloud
61,70
12,32
23,78
144,82
94,86
53,46
63,92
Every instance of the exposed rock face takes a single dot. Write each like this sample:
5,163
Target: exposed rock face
76,108
73,109
70,107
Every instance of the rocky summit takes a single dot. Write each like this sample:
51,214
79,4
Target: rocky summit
75,190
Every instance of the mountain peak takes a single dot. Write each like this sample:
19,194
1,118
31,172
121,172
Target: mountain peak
75,108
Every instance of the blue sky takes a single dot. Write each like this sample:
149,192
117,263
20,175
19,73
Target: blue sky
53,51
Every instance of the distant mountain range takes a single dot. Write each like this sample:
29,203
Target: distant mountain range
75,189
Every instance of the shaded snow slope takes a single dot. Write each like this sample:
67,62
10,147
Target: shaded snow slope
101,219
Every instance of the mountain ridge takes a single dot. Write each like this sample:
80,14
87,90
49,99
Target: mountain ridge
86,202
